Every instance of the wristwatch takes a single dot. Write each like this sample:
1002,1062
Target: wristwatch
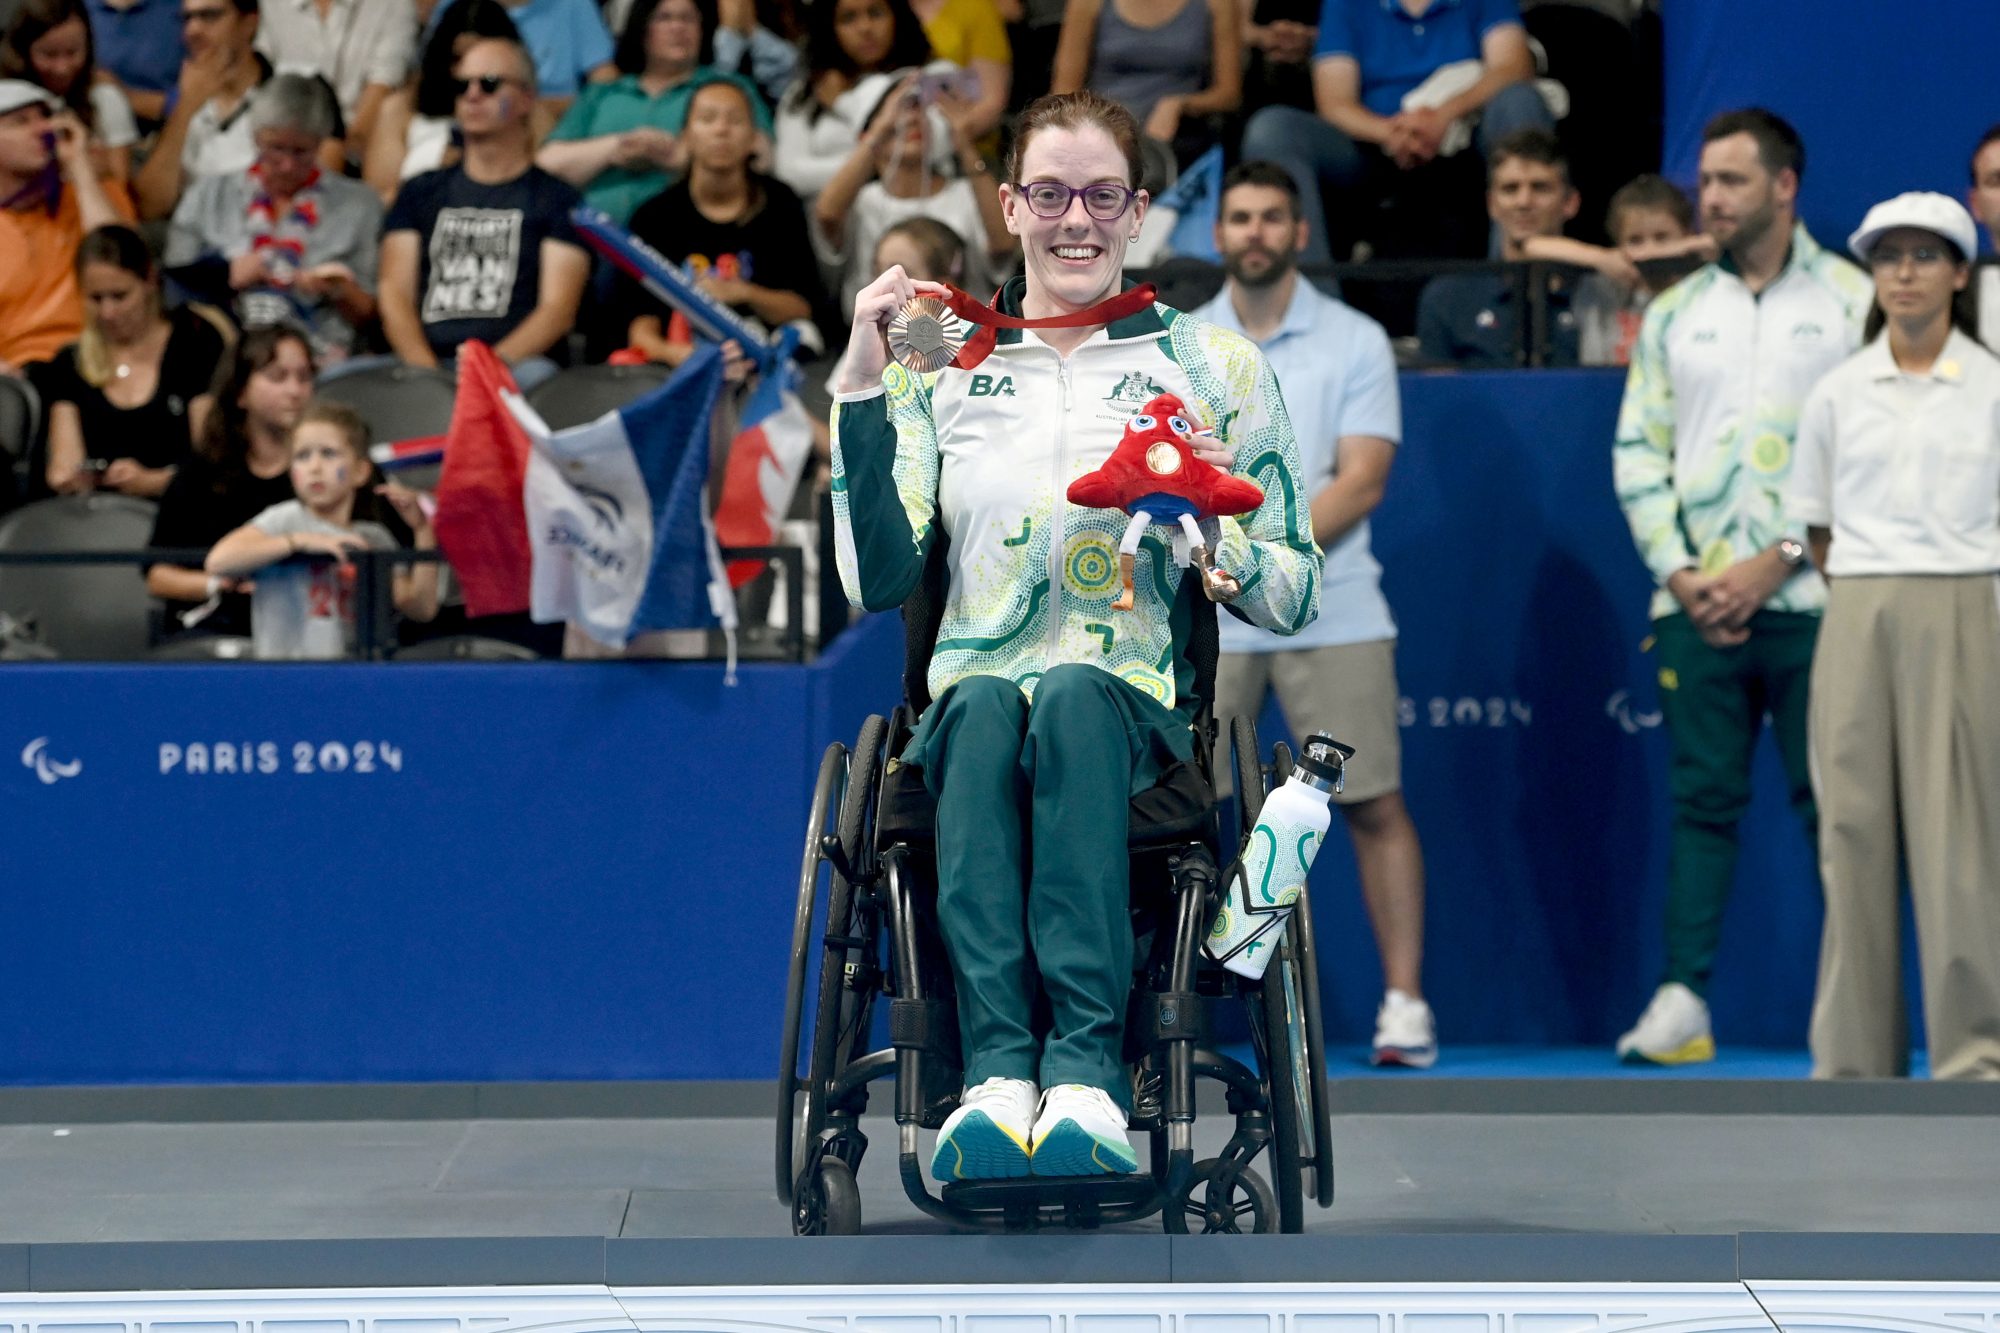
1792,552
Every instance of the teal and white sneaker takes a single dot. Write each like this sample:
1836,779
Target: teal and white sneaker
1081,1132
986,1138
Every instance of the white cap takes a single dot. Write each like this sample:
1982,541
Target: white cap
17,93
1926,209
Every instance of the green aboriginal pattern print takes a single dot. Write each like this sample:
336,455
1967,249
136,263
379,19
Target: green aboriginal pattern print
1031,585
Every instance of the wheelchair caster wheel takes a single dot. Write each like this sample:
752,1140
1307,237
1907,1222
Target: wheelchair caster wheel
827,1202
1220,1199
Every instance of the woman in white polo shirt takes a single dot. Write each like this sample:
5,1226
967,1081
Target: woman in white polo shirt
1898,481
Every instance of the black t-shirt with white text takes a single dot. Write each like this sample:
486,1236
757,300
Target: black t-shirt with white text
479,249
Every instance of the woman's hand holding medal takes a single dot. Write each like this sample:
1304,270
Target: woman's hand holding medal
877,306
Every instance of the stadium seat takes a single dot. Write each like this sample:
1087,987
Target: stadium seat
399,403
465,648
90,612
20,420
584,393
205,648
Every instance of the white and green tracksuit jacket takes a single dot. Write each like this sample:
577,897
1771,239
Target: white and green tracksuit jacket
1711,409
988,454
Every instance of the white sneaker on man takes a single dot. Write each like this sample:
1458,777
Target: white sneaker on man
1405,1032
1673,1031
987,1137
1081,1132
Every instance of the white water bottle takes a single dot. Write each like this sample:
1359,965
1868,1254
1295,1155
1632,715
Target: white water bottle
1271,874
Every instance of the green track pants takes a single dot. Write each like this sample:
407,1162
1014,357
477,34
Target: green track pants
1715,701
1033,874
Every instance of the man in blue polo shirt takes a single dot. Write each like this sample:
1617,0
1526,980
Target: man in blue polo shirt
1396,83
139,45
1339,673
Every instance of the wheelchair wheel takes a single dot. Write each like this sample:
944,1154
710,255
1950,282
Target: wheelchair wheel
1316,1138
828,1202
1290,1080
1288,1067
1318,1149
1222,1196
1249,775
839,1023
827,791
841,1013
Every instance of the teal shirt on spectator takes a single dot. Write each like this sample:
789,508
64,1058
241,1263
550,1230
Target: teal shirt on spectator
621,105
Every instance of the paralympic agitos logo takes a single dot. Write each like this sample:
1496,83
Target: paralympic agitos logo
48,771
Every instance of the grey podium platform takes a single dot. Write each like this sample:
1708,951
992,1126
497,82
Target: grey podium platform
1440,1180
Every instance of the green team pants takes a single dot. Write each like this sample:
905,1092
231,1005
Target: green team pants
1032,814
1715,700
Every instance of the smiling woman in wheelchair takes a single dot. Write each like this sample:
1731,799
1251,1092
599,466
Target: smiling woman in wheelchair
1051,708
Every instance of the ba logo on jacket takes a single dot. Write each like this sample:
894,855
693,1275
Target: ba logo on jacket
986,386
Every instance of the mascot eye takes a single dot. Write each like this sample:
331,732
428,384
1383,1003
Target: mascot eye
1142,422
1180,426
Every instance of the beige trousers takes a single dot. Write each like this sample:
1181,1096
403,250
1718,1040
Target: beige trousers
1905,745
1346,689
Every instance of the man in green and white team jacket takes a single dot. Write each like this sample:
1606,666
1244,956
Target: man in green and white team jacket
1724,361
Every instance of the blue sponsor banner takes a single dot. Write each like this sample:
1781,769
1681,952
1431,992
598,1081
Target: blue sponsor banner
472,872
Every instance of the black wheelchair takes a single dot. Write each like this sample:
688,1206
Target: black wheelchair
868,875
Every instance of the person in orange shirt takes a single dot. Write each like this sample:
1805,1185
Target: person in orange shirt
50,196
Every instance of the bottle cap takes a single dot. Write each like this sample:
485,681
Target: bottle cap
1322,758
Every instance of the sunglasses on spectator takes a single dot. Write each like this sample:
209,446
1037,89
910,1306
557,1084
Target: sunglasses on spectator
1051,199
489,84
1923,256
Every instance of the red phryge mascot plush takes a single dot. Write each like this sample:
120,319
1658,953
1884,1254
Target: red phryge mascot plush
1154,476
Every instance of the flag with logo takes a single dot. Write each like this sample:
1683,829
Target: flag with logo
617,514
481,524
765,461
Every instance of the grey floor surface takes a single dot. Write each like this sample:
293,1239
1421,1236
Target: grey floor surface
711,1177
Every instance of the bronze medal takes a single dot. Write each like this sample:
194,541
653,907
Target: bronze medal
925,335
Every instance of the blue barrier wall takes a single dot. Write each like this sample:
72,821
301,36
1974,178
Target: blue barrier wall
1887,97
522,884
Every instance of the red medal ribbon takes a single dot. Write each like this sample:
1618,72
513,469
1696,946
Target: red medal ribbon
991,321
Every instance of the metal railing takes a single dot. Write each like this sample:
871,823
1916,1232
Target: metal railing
374,599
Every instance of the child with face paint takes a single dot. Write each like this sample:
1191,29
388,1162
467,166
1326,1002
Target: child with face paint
304,608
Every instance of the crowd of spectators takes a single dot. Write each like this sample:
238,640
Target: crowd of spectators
391,178
394,176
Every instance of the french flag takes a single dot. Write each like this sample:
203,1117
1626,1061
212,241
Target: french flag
765,461
480,523
395,455
617,515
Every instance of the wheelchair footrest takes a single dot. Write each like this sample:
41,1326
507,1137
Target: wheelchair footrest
1025,1192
